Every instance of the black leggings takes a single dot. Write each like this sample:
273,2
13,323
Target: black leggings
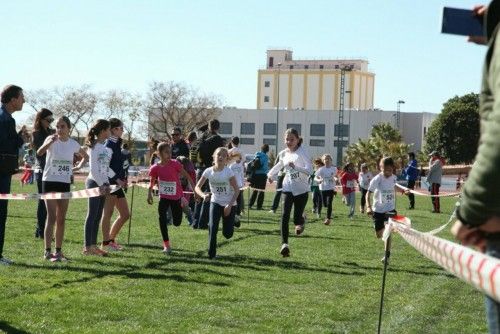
327,196
363,197
299,203
175,207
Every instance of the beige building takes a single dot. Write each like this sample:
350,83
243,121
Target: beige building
313,84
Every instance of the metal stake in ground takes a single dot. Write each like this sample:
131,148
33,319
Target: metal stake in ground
248,207
386,262
131,211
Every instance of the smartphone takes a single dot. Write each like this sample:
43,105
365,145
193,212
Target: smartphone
459,21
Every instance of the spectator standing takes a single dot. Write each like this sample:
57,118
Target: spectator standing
12,100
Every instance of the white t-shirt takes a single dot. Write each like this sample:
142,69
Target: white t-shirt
296,179
384,196
239,173
59,163
100,156
364,179
327,174
220,187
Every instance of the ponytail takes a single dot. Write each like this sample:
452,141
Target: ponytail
99,126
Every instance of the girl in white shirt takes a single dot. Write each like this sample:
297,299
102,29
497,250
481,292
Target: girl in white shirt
297,165
382,186
100,156
364,179
238,167
60,149
224,192
325,176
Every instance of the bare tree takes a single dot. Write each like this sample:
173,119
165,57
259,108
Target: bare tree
125,106
79,104
172,104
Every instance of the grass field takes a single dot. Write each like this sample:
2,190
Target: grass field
330,284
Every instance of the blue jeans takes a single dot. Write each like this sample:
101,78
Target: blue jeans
5,180
492,306
216,212
202,208
94,215
351,202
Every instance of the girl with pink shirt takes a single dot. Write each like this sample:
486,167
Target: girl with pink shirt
348,181
166,174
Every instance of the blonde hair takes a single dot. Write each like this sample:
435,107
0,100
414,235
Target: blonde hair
220,149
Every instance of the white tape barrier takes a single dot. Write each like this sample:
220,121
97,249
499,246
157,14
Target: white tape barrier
85,193
480,270
424,194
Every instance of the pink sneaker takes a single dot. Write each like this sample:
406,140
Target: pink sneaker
116,245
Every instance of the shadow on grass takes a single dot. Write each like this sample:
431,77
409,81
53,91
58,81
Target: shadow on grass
391,268
6,328
132,272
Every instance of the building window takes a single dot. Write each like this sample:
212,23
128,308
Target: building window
336,67
297,127
247,141
267,83
247,129
270,129
318,130
271,61
291,67
425,130
266,98
320,67
306,67
226,128
269,141
317,142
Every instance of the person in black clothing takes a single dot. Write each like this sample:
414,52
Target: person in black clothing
41,130
12,100
179,146
207,144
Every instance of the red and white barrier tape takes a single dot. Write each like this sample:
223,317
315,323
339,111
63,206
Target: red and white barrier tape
424,194
480,270
85,193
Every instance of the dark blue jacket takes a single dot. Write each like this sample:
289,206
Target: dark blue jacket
10,140
411,171
117,159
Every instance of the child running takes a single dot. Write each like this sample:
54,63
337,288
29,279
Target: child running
166,173
325,177
224,193
348,181
365,176
316,193
188,201
382,186
237,166
100,156
60,149
297,164
117,198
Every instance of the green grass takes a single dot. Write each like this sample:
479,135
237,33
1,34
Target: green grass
330,284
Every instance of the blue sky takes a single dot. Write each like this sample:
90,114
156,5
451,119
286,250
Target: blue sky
218,46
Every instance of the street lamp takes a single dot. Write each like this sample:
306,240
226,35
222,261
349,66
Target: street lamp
277,107
398,113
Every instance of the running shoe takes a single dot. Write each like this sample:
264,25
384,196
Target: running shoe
299,229
5,262
285,250
327,221
167,250
58,257
47,255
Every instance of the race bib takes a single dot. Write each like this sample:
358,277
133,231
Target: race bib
327,181
387,196
61,167
168,188
350,184
220,188
294,175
